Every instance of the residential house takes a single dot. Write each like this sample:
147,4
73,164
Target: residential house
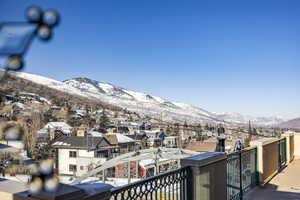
140,139
14,146
77,155
95,134
32,97
153,139
125,144
55,129
170,141
17,108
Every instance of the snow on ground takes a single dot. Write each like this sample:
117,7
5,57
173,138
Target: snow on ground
112,181
69,179
142,103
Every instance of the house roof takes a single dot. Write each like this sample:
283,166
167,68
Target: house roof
58,125
117,138
80,142
137,136
199,146
19,105
8,149
95,134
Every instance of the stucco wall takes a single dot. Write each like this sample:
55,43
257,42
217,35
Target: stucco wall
270,159
82,161
297,144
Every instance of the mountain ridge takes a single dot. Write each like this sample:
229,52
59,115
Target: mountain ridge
293,123
145,104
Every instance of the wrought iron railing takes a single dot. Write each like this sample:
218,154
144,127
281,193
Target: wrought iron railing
241,172
282,152
171,185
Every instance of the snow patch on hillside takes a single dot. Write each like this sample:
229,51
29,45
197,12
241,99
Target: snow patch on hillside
142,103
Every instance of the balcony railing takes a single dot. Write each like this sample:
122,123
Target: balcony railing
171,185
282,152
242,173
209,176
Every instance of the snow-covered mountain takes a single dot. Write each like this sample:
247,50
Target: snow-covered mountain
239,118
142,103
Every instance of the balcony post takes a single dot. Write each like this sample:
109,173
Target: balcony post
287,150
208,180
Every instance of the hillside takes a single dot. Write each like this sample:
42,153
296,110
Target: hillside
291,124
84,90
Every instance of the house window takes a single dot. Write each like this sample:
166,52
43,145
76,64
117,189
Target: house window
101,154
72,168
72,154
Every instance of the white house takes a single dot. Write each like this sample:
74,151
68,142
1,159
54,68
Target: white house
77,155
52,127
170,141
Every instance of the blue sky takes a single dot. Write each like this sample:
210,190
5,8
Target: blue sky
225,55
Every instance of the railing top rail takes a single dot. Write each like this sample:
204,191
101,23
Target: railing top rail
149,179
242,151
249,149
284,138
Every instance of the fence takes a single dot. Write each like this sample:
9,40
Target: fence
241,172
171,185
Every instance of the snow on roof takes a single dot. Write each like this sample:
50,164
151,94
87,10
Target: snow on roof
95,133
61,143
6,148
19,105
121,138
42,133
153,131
58,125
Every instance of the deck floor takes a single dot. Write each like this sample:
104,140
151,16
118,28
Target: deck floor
284,186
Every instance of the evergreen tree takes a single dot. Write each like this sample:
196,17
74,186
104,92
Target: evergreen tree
176,130
249,128
103,122
206,127
254,132
250,133
199,132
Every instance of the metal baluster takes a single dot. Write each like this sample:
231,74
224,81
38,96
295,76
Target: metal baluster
181,187
241,178
156,188
169,186
173,187
177,190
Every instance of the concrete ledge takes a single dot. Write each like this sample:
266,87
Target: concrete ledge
96,191
203,159
263,141
9,189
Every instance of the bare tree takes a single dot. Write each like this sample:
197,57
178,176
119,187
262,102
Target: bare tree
31,124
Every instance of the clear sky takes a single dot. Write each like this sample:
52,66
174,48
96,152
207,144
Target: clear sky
221,55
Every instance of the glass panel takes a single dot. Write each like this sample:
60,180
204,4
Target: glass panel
15,37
